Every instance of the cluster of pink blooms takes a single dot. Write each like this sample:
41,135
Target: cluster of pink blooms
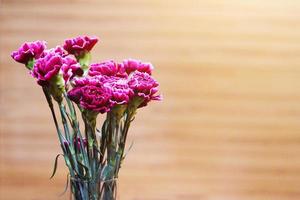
103,86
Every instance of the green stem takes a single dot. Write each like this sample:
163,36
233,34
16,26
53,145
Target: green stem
60,136
123,138
77,133
49,100
89,119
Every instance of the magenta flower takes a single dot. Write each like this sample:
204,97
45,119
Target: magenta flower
108,68
121,92
79,45
28,51
70,69
46,68
57,50
91,94
144,86
131,65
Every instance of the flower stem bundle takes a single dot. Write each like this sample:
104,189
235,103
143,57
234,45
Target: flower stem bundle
93,154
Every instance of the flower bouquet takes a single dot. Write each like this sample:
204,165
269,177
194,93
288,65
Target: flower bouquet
93,156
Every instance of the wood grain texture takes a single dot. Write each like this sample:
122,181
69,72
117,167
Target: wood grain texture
229,125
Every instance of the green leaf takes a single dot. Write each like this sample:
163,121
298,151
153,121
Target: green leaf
55,165
104,129
85,167
107,172
118,160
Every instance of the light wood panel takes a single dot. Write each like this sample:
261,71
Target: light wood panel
229,125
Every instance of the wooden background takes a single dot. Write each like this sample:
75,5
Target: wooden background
229,125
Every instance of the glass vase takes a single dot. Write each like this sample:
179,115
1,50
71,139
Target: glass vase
89,190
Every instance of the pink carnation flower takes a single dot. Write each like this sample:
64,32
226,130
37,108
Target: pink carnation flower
91,94
51,62
121,92
57,50
70,69
28,51
131,65
144,86
46,68
108,68
79,45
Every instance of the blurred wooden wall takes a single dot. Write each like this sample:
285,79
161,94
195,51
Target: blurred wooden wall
229,125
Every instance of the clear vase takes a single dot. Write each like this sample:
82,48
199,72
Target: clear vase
89,190
109,190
